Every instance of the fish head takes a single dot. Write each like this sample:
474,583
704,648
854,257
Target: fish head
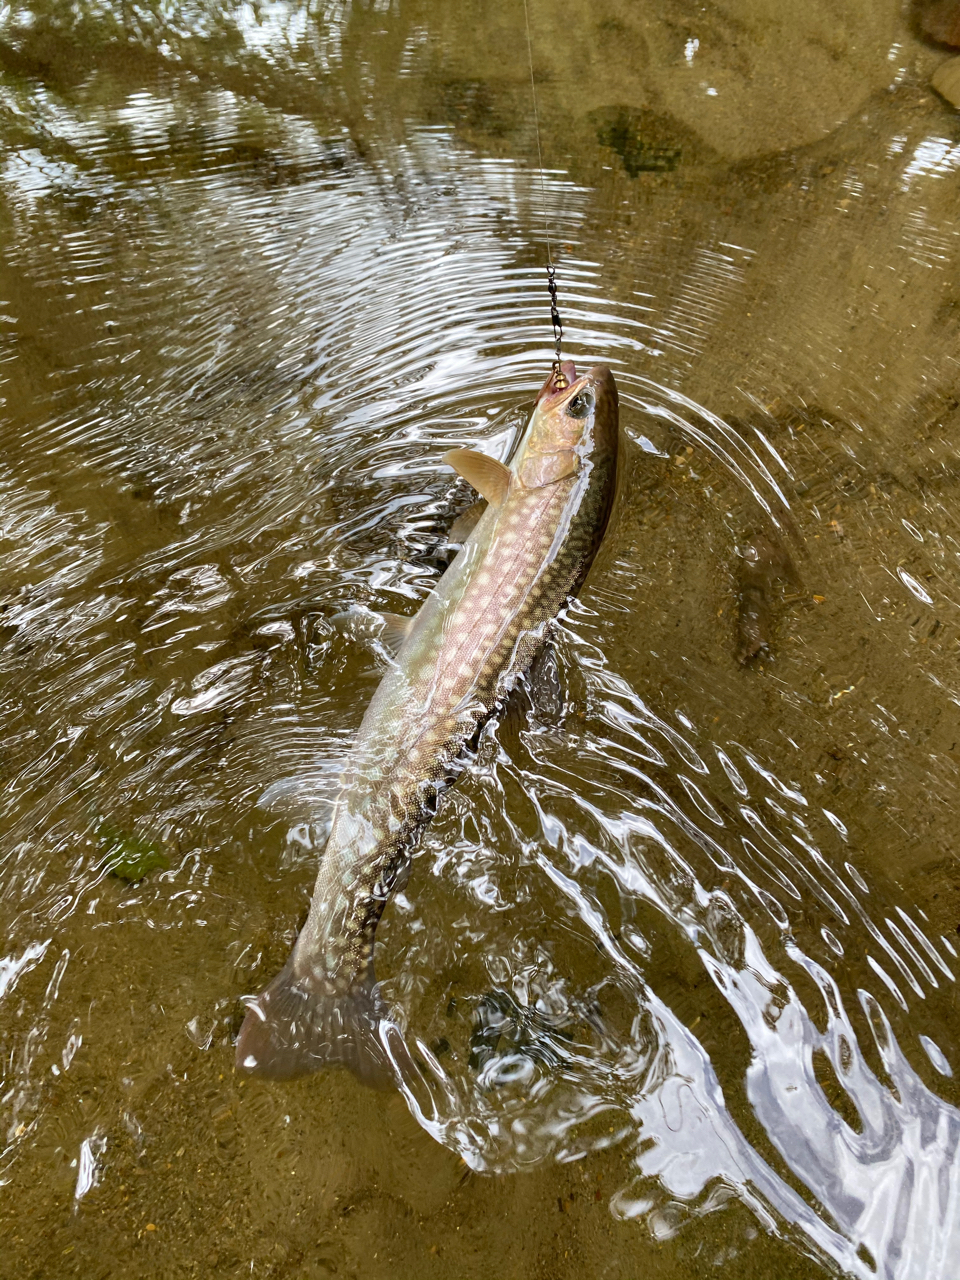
575,418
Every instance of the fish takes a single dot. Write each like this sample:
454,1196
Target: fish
452,665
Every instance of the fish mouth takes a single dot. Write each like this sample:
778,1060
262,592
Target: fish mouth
561,379
557,390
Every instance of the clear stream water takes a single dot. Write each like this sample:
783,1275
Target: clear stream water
677,962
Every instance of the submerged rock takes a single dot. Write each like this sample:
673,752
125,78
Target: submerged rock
746,79
940,20
946,81
640,144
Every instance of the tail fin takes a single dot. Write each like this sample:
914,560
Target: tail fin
296,1026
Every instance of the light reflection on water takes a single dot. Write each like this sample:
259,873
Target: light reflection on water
730,888
233,376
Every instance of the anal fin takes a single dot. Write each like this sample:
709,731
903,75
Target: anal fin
545,685
394,631
388,629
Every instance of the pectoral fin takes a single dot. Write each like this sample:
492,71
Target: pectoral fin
489,477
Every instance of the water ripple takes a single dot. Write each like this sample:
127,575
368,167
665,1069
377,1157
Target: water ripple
650,929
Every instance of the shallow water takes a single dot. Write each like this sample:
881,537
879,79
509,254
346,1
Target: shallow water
678,962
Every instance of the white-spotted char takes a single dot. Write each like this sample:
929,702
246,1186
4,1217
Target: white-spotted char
530,550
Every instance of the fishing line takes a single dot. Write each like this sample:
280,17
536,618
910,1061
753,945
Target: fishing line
558,378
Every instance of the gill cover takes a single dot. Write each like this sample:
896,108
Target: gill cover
561,428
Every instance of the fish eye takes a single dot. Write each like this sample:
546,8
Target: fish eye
580,405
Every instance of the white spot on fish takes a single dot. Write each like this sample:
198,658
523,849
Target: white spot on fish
250,1061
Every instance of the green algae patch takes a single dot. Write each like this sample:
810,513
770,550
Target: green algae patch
128,856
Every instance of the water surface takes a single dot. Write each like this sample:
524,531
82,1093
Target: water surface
677,962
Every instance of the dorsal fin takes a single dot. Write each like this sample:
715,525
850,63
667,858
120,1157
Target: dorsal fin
489,477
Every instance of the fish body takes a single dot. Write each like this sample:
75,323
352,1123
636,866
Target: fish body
475,633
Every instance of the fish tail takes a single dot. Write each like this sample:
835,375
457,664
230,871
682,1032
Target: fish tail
298,1025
